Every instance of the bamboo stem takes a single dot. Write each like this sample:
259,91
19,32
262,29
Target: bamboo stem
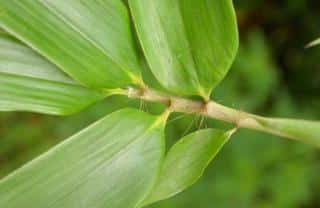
289,128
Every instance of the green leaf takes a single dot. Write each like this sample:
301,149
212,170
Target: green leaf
189,44
300,130
30,83
186,162
253,76
313,43
113,163
90,40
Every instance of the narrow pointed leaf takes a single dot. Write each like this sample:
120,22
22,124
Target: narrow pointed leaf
186,162
30,83
111,164
90,40
313,43
189,44
301,130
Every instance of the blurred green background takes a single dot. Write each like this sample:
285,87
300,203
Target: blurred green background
274,75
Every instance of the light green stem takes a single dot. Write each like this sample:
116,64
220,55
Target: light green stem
306,131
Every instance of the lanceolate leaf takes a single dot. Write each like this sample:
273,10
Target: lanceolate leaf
90,40
189,44
186,162
112,164
30,83
313,43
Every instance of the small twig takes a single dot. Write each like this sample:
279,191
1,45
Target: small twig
217,111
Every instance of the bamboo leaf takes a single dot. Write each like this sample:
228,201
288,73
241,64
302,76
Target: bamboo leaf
30,83
313,43
113,163
90,40
186,162
189,44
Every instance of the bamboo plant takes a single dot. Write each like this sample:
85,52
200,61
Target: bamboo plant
59,57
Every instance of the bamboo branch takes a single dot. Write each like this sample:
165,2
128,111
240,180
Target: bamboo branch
306,131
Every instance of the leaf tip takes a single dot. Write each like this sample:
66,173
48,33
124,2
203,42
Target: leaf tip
312,44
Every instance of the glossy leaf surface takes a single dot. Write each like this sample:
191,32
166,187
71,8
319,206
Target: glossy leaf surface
113,163
189,44
30,83
186,161
89,40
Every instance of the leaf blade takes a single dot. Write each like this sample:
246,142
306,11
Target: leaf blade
189,45
186,161
89,40
313,43
102,166
30,83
